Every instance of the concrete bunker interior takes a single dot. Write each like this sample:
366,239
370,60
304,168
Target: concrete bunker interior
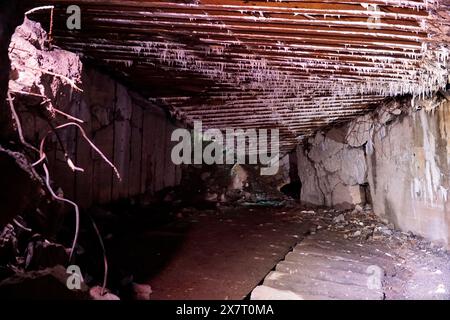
138,138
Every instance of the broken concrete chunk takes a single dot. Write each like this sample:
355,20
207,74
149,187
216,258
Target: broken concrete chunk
8,245
344,197
96,294
385,230
310,192
29,60
41,254
47,284
357,233
324,146
239,177
20,186
141,291
339,218
331,171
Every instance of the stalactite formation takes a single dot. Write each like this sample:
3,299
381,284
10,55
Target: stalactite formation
310,65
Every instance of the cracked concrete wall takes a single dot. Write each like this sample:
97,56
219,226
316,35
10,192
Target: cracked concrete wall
132,132
409,170
129,130
402,150
331,170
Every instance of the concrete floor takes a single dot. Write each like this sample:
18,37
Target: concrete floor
326,266
356,256
225,253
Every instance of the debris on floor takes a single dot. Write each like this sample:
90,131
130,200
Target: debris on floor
97,293
343,253
46,284
209,186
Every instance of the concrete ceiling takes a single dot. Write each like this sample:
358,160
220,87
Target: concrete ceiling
296,65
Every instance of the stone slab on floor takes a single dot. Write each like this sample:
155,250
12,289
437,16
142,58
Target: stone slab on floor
325,266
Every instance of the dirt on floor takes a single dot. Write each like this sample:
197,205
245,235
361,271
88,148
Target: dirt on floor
224,253
210,254
418,269
227,251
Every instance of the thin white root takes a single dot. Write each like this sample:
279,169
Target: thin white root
39,9
77,211
74,168
105,260
68,116
43,155
51,8
46,100
29,94
21,225
72,165
68,80
18,125
69,162
92,145
41,151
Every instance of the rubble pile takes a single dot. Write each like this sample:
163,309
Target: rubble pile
208,186
361,224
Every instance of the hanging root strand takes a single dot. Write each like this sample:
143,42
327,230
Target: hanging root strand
93,146
105,260
77,211
18,125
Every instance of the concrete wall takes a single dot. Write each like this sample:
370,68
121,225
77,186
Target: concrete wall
409,172
402,151
130,131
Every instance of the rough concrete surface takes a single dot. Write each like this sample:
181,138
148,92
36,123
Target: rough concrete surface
354,255
130,131
400,150
331,171
224,254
